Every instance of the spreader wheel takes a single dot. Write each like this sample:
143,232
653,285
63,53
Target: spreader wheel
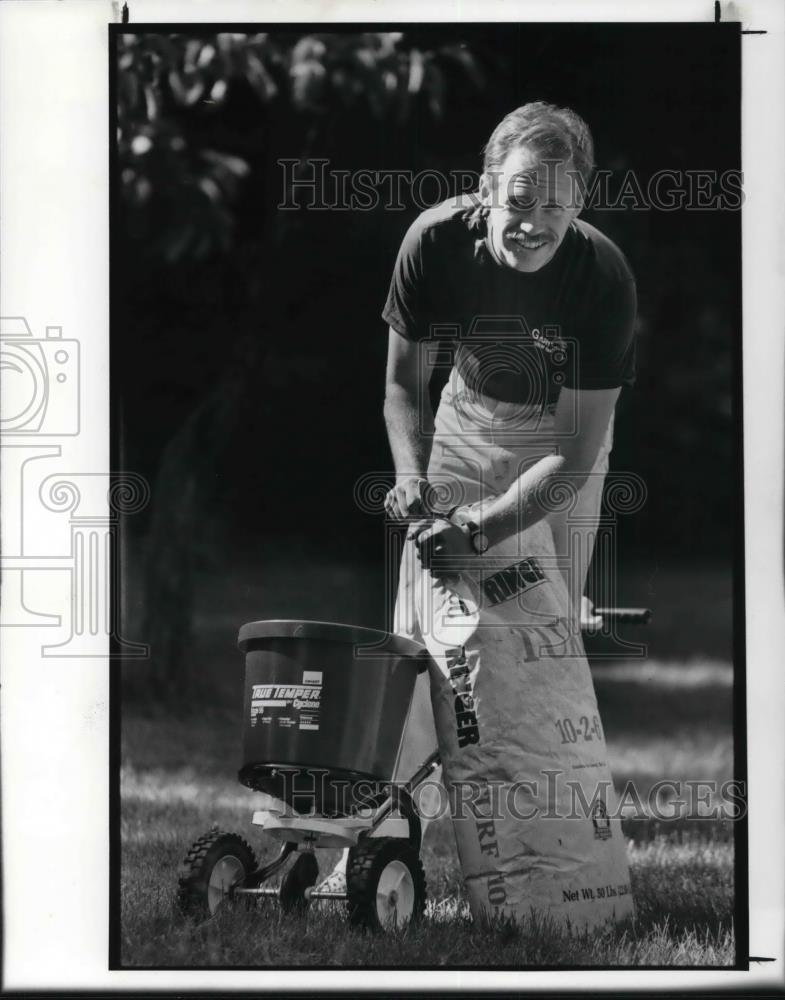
301,876
385,884
215,864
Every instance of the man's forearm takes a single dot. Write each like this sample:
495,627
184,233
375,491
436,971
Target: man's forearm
533,496
540,491
409,430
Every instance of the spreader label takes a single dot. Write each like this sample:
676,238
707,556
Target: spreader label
288,705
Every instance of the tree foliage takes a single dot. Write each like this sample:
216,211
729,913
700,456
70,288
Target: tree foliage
177,193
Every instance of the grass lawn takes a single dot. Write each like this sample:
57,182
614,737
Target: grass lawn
683,887
666,716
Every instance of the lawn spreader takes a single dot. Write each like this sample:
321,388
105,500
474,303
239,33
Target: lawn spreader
324,713
325,708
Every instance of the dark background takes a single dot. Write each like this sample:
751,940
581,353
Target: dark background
247,348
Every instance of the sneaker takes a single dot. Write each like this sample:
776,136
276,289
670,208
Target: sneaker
335,882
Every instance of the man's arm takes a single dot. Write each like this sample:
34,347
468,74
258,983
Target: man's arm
539,490
409,419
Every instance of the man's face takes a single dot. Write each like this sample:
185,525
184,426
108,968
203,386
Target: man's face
532,203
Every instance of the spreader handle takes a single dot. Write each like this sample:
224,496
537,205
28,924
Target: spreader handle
625,616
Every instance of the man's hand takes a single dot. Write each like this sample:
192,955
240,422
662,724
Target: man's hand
440,545
410,497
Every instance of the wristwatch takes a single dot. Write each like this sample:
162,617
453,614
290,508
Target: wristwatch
478,538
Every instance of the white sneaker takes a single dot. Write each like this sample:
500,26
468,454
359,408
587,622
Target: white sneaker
335,881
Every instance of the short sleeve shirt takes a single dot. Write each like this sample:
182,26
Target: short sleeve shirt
516,337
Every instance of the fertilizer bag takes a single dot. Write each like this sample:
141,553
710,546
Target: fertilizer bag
521,741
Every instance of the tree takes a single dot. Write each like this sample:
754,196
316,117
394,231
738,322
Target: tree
176,194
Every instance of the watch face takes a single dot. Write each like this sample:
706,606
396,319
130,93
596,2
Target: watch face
480,542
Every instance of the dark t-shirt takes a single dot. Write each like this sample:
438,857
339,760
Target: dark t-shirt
516,337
